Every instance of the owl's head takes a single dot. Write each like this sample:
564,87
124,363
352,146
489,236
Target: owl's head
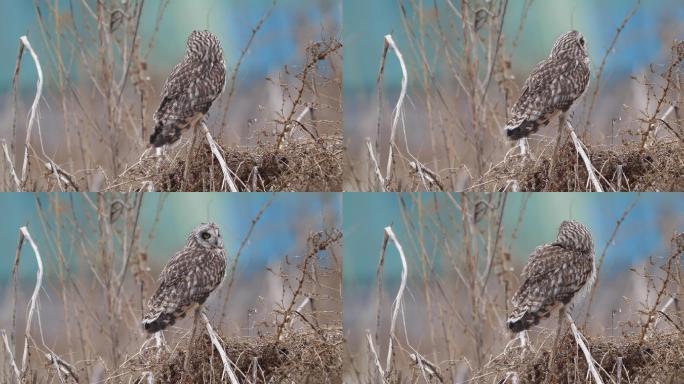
575,236
204,46
570,44
206,235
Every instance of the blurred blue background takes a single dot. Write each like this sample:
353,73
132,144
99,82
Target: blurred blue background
640,43
646,231
282,230
232,21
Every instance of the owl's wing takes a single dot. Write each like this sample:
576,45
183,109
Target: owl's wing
180,77
190,88
552,272
176,87
537,83
553,85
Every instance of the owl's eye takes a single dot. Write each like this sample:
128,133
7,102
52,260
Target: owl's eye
206,235
581,40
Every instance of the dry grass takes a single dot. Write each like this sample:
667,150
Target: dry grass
306,165
621,359
302,357
658,167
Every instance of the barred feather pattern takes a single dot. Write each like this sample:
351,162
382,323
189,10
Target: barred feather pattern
190,89
188,278
555,274
553,86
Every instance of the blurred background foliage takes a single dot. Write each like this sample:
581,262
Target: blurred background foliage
641,42
232,21
645,232
282,230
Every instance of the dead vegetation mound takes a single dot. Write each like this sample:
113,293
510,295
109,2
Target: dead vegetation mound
658,167
301,166
301,357
659,359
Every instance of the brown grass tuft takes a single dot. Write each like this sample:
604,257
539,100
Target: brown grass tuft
304,165
657,360
624,168
302,357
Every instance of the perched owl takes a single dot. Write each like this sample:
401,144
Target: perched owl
552,87
193,85
188,278
554,274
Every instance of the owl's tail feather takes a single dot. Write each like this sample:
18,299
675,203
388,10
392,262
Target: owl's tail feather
155,322
516,129
156,138
165,134
524,320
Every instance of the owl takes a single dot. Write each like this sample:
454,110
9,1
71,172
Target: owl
552,87
190,89
555,274
188,278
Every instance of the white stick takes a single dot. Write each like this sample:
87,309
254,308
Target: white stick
585,158
224,357
13,171
585,350
400,293
665,116
34,298
400,103
375,165
11,355
655,323
513,376
222,162
34,108
375,355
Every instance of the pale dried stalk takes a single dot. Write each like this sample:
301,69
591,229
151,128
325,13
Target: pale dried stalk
34,108
299,120
400,103
13,171
400,293
585,350
585,158
227,179
376,167
11,355
663,118
224,357
375,355
655,322
34,297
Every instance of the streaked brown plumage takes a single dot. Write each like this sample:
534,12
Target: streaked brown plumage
190,89
552,87
553,276
188,278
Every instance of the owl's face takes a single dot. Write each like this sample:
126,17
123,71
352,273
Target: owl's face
574,235
571,44
208,236
204,46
